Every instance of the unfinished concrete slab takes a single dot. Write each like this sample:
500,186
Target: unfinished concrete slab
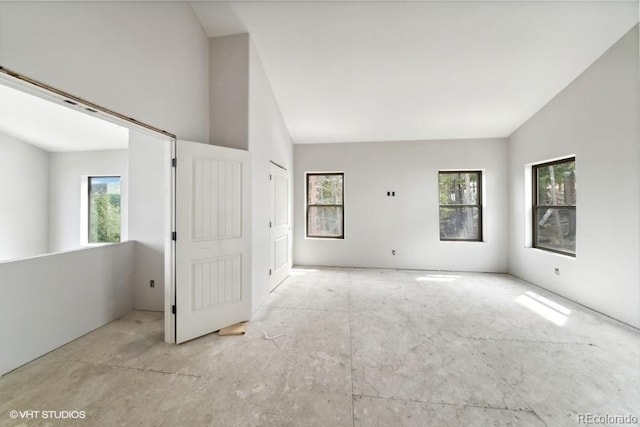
344,347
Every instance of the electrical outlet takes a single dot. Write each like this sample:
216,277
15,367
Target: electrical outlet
152,283
557,271
393,251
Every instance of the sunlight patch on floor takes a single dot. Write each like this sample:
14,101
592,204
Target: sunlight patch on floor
544,307
438,278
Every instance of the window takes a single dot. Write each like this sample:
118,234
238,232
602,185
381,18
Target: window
104,209
325,205
460,195
554,206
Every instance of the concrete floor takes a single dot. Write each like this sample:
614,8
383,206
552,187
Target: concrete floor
356,347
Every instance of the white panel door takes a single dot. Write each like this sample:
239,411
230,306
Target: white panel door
280,223
212,241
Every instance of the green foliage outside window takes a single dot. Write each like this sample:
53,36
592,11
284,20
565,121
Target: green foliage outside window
104,210
459,197
554,206
325,205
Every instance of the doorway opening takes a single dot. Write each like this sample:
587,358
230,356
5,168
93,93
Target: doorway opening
52,146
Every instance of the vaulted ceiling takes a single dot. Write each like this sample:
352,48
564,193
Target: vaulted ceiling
371,71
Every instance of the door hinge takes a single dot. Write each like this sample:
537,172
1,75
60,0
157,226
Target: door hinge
173,309
270,224
270,177
269,272
174,236
174,162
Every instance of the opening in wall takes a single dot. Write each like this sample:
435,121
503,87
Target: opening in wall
104,212
554,206
325,205
460,201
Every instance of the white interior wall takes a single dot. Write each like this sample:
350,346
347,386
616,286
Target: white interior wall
65,181
229,91
269,140
148,158
595,118
245,115
24,211
146,60
50,300
409,222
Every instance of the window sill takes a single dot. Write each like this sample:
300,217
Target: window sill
325,238
97,245
549,252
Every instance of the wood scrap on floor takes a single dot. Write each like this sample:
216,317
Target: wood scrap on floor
237,329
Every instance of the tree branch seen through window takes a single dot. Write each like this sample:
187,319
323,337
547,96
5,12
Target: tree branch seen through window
104,209
460,195
554,206
325,205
